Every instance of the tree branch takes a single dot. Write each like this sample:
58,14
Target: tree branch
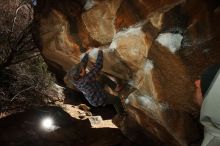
13,46
24,59
28,50
25,44
14,20
23,35
2,92
22,92
16,13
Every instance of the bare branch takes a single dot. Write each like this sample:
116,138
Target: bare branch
14,20
2,92
28,50
16,13
22,92
13,47
23,35
22,45
25,59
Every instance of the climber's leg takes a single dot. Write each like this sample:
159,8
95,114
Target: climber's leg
115,100
104,80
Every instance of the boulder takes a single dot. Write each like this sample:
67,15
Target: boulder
158,48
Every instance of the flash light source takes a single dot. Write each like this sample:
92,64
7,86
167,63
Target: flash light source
47,123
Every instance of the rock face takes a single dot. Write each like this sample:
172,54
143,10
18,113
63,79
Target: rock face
157,47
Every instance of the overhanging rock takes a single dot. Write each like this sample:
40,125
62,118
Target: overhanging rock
160,74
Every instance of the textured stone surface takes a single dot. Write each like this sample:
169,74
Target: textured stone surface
58,45
99,20
159,76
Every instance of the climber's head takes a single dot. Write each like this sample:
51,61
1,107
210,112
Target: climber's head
202,85
77,71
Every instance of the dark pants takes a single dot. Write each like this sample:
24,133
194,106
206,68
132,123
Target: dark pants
104,80
111,99
115,100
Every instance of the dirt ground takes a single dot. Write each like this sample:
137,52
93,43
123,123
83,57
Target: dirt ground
75,125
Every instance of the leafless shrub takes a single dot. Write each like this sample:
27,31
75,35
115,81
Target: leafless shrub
16,41
24,79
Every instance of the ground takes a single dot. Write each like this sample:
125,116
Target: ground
78,125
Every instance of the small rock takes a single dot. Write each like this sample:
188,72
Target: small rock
84,107
94,120
88,114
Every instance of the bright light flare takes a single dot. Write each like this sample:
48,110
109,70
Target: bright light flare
47,123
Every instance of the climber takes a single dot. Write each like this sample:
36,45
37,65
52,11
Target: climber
92,89
207,96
